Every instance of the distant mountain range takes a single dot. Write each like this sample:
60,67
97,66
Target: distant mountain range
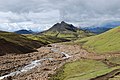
65,30
23,31
103,27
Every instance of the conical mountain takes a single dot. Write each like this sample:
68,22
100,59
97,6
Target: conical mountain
65,30
61,27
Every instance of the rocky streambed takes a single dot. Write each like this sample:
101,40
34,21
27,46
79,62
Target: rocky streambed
36,63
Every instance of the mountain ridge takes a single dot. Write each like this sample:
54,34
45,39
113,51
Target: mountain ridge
63,26
103,27
24,31
65,30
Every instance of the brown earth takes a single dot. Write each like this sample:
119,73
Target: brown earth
10,63
7,47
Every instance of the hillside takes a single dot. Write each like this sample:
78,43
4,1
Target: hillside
64,30
108,42
46,38
14,43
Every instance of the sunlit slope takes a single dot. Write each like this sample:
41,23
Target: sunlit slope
108,42
82,70
46,38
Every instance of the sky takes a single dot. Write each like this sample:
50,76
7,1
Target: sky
39,15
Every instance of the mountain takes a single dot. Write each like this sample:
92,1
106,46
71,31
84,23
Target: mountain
23,31
61,27
11,43
97,30
65,30
103,27
108,42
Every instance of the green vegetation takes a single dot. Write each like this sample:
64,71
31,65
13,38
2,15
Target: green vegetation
66,31
115,60
108,42
82,70
117,77
46,39
14,43
69,34
18,39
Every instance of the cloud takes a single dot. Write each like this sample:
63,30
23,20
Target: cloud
47,12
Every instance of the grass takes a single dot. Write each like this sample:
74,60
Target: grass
115,60
16,38
115,78
108,42
46,38
14,43
82,70
69,34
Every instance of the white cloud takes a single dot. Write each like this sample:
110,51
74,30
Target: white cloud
41,14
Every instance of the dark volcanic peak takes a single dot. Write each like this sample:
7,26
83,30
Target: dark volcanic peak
63,26
23,31
65,31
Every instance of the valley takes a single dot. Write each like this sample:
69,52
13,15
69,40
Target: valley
78,64
59,40
63,52
46,68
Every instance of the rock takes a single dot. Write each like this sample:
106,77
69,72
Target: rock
49,46
8,78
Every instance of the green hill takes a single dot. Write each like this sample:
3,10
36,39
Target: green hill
108,42
67,31
20,44
83,70
46,38
14,43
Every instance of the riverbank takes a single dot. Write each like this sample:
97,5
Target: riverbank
58,53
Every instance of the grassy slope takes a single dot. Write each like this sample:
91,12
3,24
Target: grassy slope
87,69
69,34
115,60
82,70
108,42
14,43
46,39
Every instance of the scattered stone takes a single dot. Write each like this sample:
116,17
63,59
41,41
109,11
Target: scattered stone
46,69
49,46
8,78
